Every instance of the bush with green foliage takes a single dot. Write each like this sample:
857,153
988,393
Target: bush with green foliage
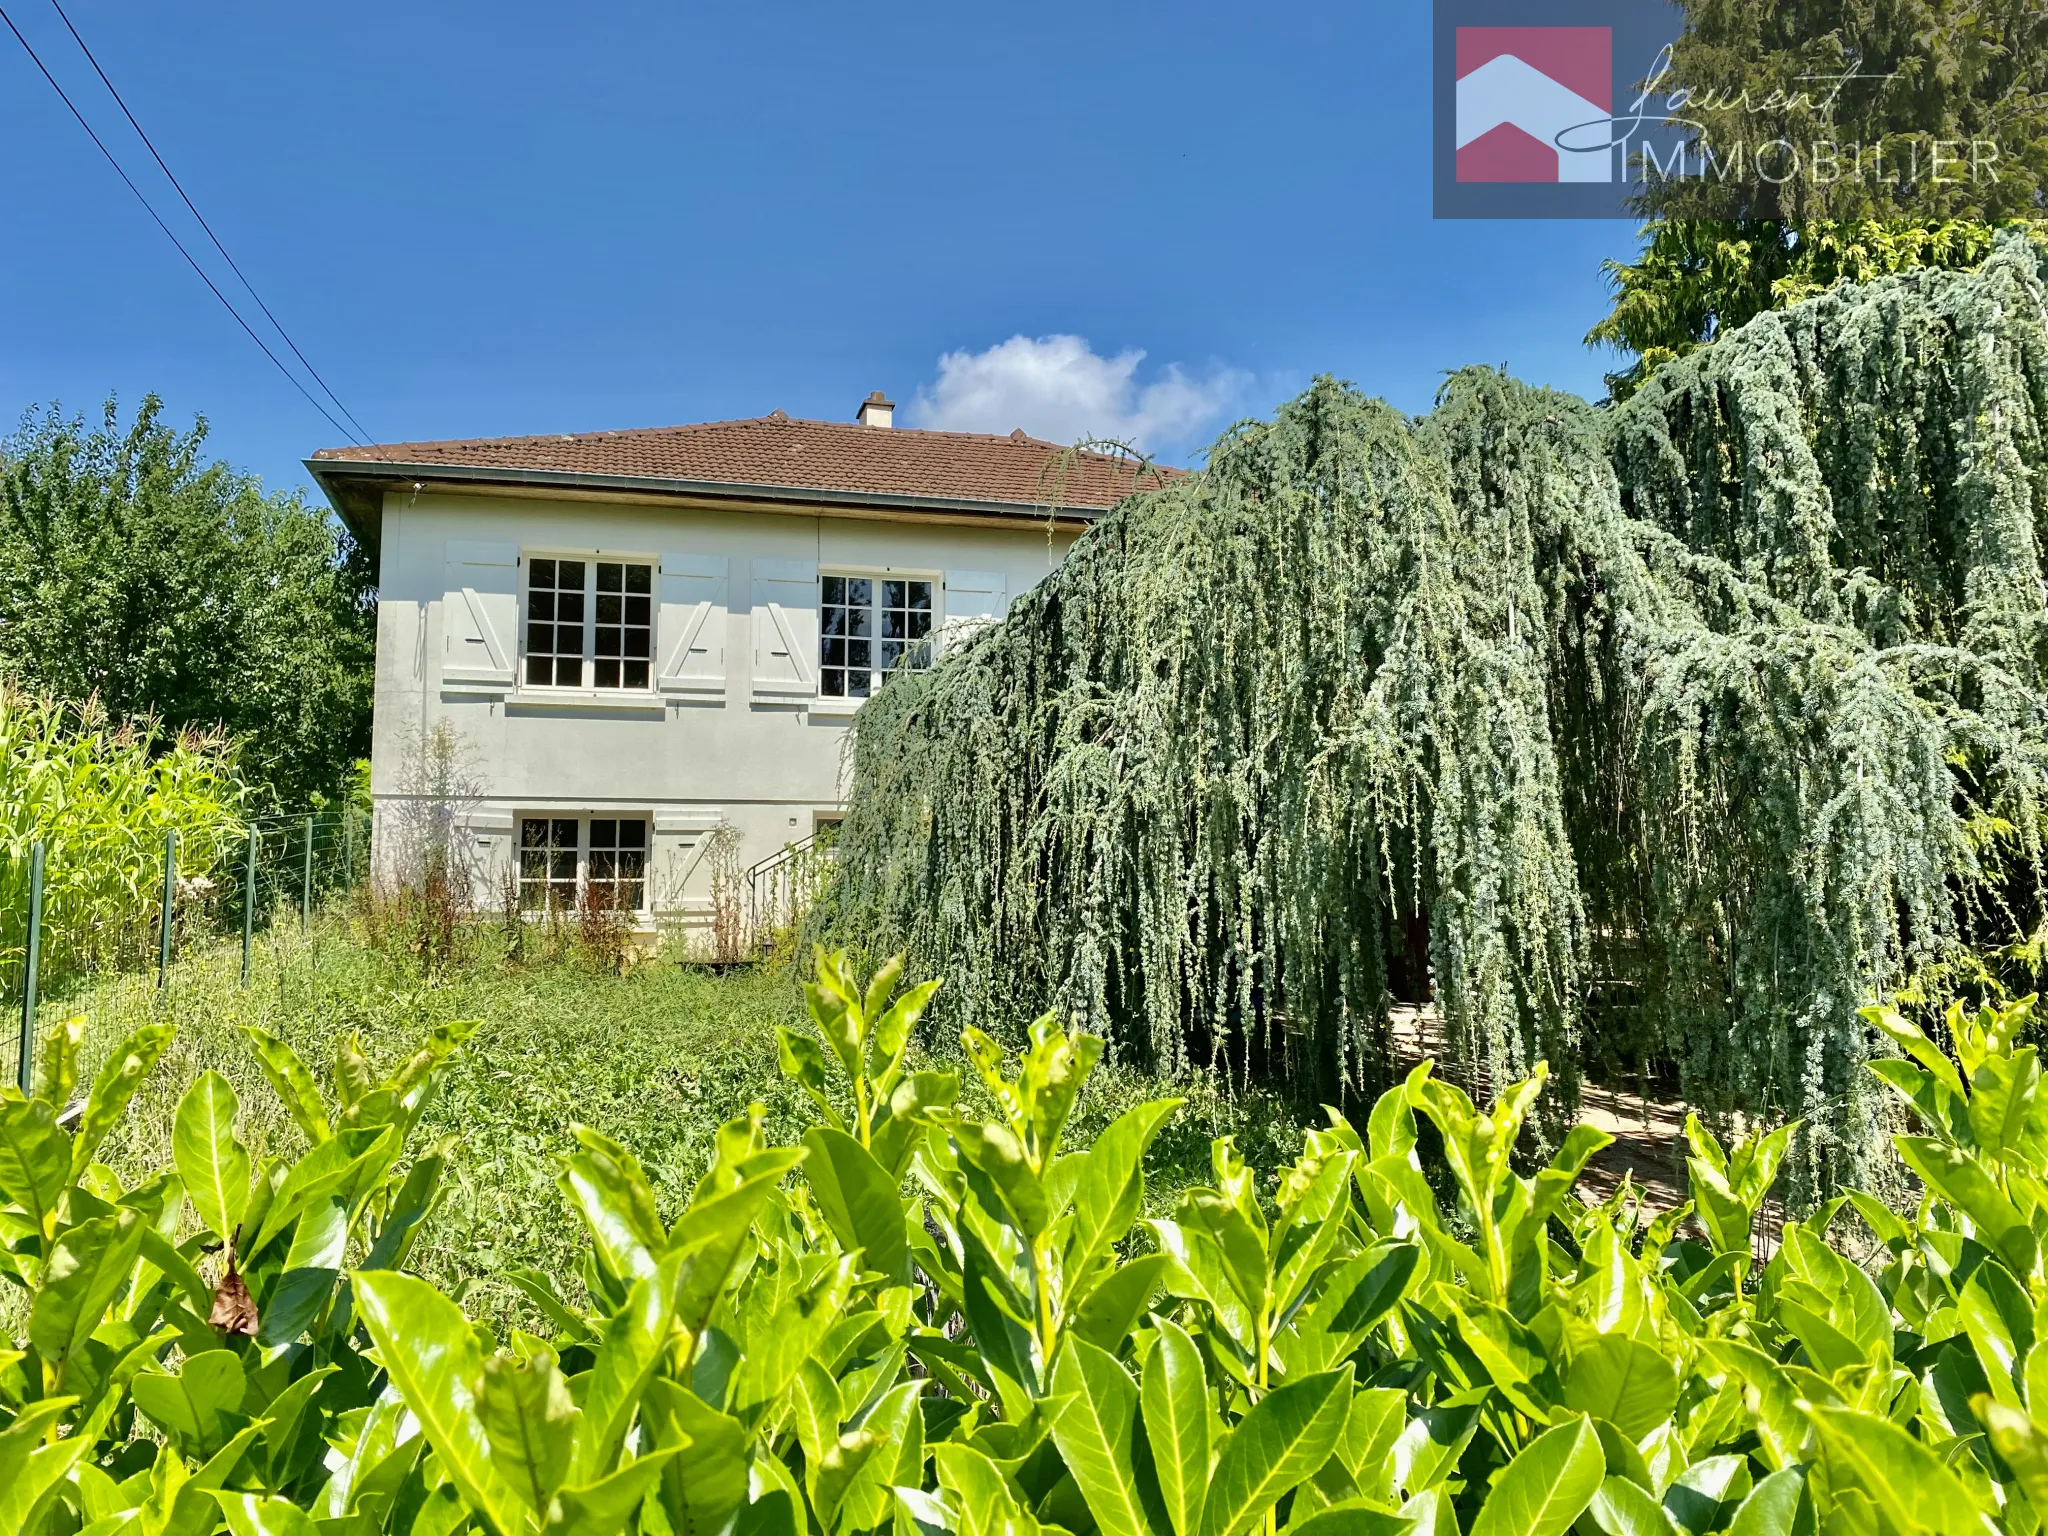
1009,1347
99,797
167,587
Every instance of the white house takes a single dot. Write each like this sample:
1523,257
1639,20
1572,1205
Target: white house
639,636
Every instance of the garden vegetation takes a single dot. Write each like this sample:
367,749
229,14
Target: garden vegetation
926,1317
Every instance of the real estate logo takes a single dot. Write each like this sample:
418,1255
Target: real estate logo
1535,111
1535,104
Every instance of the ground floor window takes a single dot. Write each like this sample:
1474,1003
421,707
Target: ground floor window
560,857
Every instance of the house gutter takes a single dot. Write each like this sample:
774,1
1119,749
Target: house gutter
355,488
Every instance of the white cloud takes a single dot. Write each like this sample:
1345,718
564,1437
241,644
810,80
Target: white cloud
1058,387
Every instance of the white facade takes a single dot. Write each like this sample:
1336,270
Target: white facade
731,726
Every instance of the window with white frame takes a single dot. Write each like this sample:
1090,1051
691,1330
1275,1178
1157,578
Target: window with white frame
866,626
589,623
563,857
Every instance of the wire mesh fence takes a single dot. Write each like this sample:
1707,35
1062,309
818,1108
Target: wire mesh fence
286,866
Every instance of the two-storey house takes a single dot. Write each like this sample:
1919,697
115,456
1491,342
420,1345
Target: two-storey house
640,636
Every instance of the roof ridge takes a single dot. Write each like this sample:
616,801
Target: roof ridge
775,421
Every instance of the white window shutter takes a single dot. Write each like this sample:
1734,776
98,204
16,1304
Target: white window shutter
785,631
691,627
974,599
480,615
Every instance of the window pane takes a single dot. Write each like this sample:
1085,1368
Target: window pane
833,683
554,629
860,621
835,589
892,594
624,634
921,597
859,591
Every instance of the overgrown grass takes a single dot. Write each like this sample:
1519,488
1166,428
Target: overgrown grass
656,1058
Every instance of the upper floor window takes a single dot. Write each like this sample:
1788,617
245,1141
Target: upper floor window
866,624
589,623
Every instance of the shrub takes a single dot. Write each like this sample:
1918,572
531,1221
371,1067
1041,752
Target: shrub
1013,1347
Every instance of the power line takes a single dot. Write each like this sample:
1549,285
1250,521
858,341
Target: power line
160,224
193,209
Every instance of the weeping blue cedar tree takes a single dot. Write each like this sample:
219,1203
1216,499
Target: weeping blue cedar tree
1678,728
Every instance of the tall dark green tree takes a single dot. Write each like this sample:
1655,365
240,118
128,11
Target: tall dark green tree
1849,140
134,569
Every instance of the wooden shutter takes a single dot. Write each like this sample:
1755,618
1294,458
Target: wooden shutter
974,599
480,615
785,630
691,627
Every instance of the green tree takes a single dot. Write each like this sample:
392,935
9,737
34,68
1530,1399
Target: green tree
1699,278
1895,134
132,569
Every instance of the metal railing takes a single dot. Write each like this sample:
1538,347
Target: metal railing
781,887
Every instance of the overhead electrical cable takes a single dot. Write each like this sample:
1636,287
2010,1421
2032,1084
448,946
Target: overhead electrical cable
129,182
171,177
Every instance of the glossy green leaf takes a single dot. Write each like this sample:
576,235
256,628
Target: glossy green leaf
1903,1475
200,1407
35,1159
431,1355
859,1200
114,1088
608,1188
1278,1445
1772,1508
635,1342
1096,1435
209,1158
90,1264
250,1514
312,1265
531,1423
1620,1508
1111,1183
604,1508
1706,1491
1110,1309
1175,1395
1547,1486
705,1483
292,1083
1628,1383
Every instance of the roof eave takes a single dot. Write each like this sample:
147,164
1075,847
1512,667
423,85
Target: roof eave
355,488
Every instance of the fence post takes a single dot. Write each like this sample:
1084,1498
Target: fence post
249,901
306,886
163,937
34,964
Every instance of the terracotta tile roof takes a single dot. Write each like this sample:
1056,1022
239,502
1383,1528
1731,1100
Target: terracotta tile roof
781,451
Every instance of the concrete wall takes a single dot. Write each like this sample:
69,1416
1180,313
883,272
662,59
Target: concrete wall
731,733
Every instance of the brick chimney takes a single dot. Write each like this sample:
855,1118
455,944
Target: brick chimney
877,411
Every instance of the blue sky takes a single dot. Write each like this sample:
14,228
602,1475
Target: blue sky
479,220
